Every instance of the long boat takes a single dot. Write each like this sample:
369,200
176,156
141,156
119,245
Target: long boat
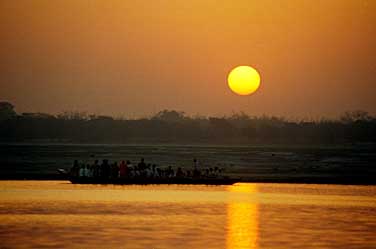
145,181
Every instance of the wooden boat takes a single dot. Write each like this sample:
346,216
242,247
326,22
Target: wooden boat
145,181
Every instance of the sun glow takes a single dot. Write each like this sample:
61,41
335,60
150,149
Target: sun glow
243,80
242,218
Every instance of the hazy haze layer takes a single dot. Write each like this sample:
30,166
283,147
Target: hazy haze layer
134,58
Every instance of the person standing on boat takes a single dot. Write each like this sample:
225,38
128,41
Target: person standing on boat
105,169
153,170
96,169
123,169
129,169
114,171
82,171
141,167
196,171
75,169
88,171
180,173
148,172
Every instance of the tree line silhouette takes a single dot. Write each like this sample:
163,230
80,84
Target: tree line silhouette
170,126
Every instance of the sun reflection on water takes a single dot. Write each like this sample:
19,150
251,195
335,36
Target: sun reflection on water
242,216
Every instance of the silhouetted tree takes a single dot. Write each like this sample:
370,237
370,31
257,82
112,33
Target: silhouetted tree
6,111
169,116
169,126
354,116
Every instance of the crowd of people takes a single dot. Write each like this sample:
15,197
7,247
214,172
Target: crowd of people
125,169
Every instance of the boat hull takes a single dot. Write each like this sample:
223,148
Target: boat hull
140,181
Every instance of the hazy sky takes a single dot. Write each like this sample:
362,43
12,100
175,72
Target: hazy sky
134,58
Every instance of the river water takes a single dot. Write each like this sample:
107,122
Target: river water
28,161
57,214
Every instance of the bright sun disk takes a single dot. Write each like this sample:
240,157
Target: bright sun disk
243,80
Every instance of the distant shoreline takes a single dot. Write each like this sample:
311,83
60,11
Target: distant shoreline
203,144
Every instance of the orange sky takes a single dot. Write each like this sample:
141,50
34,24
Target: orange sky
134,58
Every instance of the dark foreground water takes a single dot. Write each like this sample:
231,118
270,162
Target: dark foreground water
57,214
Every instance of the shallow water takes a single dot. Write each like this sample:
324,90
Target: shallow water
57,214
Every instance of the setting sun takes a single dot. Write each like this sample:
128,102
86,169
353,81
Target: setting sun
244,80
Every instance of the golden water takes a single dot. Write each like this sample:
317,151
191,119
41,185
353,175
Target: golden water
57,214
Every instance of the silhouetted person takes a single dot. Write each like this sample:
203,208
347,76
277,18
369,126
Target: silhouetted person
96,169
105,169
89,171
141,165
196,171
131,173
82,171
211,172
188,173
216,171
148,171
114,170
179,173
159,172
123,169
170,172
154,170
75,169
